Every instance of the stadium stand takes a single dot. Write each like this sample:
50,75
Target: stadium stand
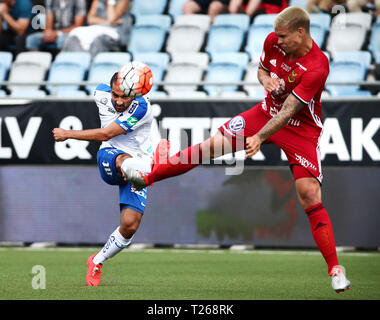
200,59
148,7
255,40
227,33
175,72
170,42
238,20
202,21
239,58
298,3
5,64
223,72
104,65
264,19
374,42
175,8
160,20
158,62
146,38
29,67
68,67
188,33
254,90
343,71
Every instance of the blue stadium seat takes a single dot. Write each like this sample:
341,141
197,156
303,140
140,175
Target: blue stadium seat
158,58
65,72
224,38
345,72
255,40
264,19
104,65
3,93
112,57
239,20
298,3
81,58
146,39
160,20
148,7
374,42
101,72
362,57
318,34
239,58
5,64
321,19
175,8
223,73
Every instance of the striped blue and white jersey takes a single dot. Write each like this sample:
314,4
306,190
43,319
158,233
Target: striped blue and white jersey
136,121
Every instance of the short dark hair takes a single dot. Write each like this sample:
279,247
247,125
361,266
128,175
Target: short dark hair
113,79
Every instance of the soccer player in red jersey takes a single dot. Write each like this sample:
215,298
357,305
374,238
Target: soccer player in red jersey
293,71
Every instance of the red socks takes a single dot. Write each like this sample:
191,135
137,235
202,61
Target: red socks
177,164
323,234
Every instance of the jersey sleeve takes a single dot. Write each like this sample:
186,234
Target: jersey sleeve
311,83
265,54
135,116
25,10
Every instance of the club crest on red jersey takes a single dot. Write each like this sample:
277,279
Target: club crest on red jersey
236,124
292,76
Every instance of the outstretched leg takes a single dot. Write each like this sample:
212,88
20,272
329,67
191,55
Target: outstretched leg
181,162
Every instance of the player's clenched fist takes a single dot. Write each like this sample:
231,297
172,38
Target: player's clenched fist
59,134
271,84
252,146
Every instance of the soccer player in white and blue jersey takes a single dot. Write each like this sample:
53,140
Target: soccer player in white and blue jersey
125,136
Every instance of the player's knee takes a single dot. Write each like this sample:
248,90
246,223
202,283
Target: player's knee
309,196
128,230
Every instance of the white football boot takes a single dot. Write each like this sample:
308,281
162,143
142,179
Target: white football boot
339,281
136,177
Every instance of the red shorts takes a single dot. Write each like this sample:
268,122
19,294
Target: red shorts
301,151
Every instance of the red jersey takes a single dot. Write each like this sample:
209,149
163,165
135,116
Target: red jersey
304,77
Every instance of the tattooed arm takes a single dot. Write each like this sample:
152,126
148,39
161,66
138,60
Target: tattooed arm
291,106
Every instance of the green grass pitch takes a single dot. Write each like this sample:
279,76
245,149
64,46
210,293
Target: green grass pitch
183,274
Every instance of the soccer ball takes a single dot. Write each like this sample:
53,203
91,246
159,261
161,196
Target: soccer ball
135,79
